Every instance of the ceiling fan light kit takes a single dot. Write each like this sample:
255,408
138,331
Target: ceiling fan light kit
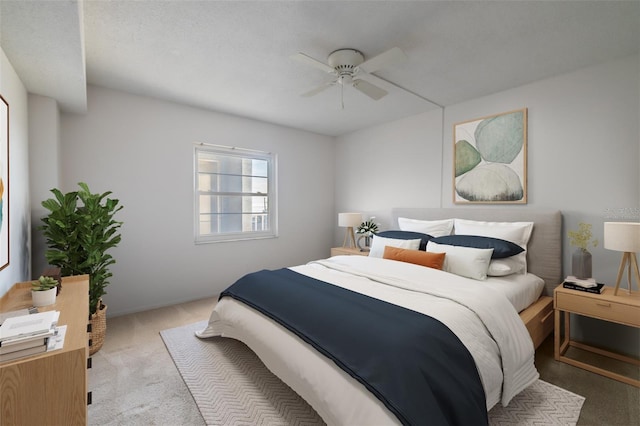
350,69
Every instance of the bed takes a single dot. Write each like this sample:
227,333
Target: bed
544,253
499,338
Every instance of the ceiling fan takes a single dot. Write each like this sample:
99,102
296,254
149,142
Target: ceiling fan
350,69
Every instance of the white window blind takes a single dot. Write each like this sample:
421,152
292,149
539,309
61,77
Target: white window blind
235,194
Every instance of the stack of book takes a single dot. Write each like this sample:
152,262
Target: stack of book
27,335
589,285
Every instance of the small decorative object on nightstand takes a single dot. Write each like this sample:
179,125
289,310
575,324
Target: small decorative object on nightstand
349,220
624,237
581,258
366,229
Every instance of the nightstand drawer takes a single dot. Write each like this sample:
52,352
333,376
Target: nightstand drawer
603,308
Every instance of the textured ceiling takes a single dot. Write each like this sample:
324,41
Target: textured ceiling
234,56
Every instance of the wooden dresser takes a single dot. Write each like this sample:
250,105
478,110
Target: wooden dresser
49,388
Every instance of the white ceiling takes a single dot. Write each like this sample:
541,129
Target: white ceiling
233,56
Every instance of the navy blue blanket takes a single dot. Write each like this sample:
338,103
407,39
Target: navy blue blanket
413,363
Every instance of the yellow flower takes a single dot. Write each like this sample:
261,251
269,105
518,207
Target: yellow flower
581,238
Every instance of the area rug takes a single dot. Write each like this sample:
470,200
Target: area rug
231,386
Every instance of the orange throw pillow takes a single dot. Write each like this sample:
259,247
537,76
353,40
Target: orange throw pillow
418,257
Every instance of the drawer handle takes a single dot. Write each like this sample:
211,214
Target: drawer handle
604,305
543,320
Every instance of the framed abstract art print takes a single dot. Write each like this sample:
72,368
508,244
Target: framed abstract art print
490,159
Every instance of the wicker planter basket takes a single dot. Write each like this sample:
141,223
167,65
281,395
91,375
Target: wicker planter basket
98,323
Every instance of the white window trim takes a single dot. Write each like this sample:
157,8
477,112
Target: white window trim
272,161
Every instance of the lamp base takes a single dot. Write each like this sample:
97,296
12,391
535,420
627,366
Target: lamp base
629,261
349,238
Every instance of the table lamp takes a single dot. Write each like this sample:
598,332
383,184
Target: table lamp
349,220
624,237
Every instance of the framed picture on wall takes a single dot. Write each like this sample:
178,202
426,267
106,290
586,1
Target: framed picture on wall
490,159
4,183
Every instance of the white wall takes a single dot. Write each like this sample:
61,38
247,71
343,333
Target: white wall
142,150
14,92
44,158
395,164
583,150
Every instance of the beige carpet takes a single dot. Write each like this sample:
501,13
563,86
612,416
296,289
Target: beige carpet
139,385
231,386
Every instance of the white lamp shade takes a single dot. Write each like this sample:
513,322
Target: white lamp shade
349,219
622,236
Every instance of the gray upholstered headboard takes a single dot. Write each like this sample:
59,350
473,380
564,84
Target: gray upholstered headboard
544,251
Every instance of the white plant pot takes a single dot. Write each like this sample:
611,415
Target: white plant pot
44,298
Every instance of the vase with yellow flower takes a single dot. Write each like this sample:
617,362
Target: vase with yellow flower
581,258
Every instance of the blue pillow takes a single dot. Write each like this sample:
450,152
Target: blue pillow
501,248
407,235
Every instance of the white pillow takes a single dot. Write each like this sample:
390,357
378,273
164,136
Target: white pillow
379,243
435,228
464,261
505,266
516,232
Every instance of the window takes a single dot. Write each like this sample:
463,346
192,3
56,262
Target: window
235,194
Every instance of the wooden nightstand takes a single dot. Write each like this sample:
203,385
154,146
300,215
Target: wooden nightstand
348,251
621,309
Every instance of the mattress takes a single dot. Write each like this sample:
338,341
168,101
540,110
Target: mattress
520,289
482,317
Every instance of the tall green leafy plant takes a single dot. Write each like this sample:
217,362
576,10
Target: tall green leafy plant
79,229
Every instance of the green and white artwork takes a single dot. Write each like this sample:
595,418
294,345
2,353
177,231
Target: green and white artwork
490,159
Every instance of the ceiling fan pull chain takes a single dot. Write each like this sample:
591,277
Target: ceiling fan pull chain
342,92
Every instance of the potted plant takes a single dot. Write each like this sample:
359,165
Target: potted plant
79,230
367,229
581,258
43,291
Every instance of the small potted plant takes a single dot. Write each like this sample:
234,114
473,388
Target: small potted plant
366,229
43,291
581,258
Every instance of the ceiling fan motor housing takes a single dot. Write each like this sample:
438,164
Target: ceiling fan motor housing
345,61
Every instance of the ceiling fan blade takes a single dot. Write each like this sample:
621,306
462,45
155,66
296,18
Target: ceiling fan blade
306,59
372,91
393,55
318,89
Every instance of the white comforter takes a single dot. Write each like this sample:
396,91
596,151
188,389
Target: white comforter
483,319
